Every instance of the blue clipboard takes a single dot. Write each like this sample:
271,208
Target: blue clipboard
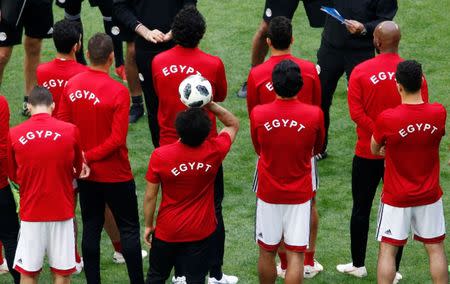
333,13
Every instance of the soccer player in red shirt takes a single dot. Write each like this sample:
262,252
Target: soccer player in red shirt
412,196
285,134
44,155
186,171
371,90
9,223
99,105
260,91
169,69
54,74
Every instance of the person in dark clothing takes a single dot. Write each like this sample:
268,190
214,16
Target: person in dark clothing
344,46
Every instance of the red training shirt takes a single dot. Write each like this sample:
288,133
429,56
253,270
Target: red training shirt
285,134
99,106
54,75
371,90
412,134
4,128
42,154
169,69
260,89
187,176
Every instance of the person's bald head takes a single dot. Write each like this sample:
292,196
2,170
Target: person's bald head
386,37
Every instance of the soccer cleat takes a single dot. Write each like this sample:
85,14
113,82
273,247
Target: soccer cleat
397,278
322,156
348,268
119,259
280,271
311,271
120,72
4,267
79,266
226,279
179,280
242,93
25,111
136,112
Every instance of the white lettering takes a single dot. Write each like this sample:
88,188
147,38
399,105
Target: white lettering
39,134
267,126
183,69
269,86
417,127
374,79
175,172
403,133
190,166
85,95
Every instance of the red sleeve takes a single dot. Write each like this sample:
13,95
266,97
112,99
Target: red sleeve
78,161
424,90
254,135
320,135
4,127
355,104
119,130
379,132
223,143
252,97
221,81
39,75
317,90
12,165
153,169
64,111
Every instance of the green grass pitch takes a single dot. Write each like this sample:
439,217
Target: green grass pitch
231,25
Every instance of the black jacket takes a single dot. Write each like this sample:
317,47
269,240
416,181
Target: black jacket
154,14
368,12
11,11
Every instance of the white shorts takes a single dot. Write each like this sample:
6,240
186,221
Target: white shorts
54,239
288,222
427,223
314,176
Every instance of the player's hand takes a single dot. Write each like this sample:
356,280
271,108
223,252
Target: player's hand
382,151
148,236
354,27
85,171
154,36
168,36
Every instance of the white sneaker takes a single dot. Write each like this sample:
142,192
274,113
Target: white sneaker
4,267
348,268
179,280
119,259
311,271
397,278
79,266
226,279
281,272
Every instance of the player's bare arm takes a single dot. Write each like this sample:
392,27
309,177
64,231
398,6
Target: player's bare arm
151,195
228,119
377,149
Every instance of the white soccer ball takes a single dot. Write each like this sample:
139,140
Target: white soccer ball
195,91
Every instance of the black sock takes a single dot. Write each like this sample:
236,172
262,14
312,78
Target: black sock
216,272
25,99
136,100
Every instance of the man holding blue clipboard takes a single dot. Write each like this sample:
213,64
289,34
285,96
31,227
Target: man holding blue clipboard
347,41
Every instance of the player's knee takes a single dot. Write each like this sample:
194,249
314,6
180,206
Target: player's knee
262,30
33,46
5,55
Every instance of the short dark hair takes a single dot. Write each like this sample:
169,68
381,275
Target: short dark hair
193,126
409,75
100,47
65,35
188,27
287,79
40,96
280,32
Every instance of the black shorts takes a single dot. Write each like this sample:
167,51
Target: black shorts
37,19
189,258
275,8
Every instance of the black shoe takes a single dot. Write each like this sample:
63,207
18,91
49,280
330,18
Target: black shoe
136,112
25,111
242,93
321,156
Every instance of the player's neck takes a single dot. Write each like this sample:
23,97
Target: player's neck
276,52
389,50
102,68
412,99
65,56
41,110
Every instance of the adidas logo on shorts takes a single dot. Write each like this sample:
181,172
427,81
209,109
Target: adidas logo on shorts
388,232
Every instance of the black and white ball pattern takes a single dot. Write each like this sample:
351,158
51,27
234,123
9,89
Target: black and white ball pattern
195,91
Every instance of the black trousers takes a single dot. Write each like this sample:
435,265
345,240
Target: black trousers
191,257
144,60
333,63
9,229
122,200
366,175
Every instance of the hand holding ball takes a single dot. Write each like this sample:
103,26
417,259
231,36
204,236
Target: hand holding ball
195,91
